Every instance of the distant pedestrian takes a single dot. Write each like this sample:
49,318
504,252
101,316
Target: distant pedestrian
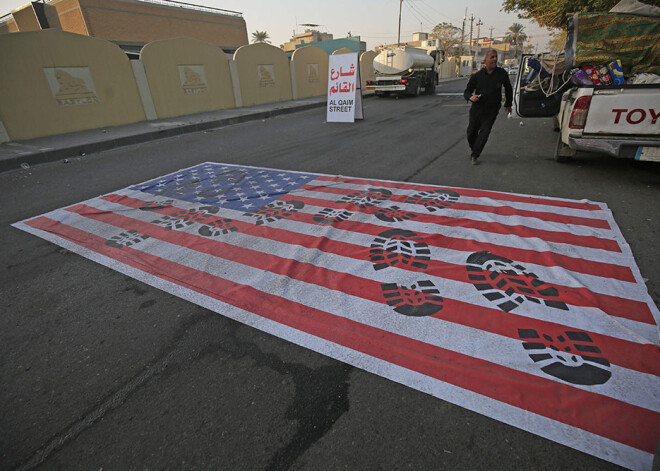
484,91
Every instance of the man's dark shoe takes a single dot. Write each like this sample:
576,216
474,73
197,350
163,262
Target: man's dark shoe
474,160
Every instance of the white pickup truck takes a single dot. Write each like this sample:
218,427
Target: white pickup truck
619,120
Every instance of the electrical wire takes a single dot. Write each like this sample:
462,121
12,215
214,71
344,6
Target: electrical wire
414,14
439,13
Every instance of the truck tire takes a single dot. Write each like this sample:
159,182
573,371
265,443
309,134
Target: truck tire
429,89
563,153
418,89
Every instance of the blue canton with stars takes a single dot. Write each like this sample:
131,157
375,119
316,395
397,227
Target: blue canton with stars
226,186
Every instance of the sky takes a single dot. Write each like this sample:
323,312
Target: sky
375,21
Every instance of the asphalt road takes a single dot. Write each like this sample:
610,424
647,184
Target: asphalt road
101,371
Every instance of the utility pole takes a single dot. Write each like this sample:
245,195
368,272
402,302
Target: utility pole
471,24
491,35
479,23
398,38
463,32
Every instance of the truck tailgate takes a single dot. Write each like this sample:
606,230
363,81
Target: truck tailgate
624,111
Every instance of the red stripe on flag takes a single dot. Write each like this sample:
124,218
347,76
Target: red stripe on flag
615,306
500,210
492,227
610,418
466,192
633,355
548,259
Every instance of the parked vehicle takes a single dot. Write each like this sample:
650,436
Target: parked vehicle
603,90
619,120
405,70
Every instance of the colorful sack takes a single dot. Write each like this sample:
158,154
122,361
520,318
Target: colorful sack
580,77
590,70
604,75
616,71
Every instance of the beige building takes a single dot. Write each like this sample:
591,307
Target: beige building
481,45
309,36
131,23
419,39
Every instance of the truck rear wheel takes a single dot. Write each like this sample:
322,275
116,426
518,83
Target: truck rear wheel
563,153
429,89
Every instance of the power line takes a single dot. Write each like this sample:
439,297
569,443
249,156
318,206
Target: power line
413,13
429,20
439,13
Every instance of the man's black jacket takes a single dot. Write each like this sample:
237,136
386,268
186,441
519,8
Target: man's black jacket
489,86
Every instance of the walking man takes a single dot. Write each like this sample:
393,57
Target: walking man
484,90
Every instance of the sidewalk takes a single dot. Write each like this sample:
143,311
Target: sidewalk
62,146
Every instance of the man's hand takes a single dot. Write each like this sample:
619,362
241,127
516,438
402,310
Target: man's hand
474,98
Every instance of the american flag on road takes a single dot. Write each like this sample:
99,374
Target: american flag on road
527,309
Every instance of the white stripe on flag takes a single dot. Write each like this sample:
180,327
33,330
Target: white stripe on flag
493,348
591,319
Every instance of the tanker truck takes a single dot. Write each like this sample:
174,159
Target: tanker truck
405,70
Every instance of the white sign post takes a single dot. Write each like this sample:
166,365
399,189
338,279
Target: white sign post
344,93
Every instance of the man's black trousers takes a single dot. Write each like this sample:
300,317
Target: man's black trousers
481,122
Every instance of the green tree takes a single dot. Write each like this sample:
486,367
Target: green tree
555,13
449,36
516,36
260,37
557,41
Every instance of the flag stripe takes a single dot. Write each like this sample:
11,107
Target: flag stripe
467,192
630,355
446,212
493,227
558,274
624,420
499,210
543,258
589,318
496,349
613,305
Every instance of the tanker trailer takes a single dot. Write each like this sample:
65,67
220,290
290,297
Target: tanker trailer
405,70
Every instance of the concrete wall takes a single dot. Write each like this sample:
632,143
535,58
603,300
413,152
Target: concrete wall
310,66
449,68
55,82
343,50
52,82
264,74
367,71
187,76
353,43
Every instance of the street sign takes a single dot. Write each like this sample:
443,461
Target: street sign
344,93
